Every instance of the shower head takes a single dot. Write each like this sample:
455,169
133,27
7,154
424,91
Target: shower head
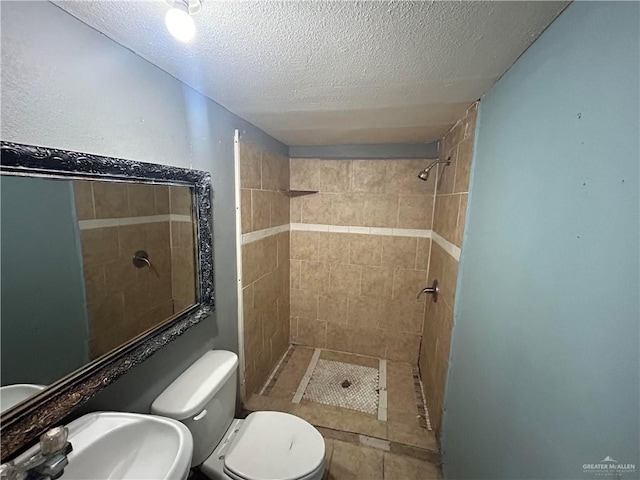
424,174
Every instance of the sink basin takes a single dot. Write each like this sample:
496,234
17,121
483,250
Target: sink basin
109,445
11,395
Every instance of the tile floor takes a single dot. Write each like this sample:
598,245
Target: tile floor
402,447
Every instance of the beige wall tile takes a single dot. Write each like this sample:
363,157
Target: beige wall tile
367,341
408,283
142,200
280,214
83,197
337,336
245,210
269,316
402,177
108,320
317,208
363,311
293,329
272,171
253,337
304,245
295,209
296,265
180,200
250,166
161,199
348,209
99,245
334,247
450,277
265,290
365,250
95,286
119,276
158,236
261,209
131,238
424,250
345,279
314,276
312,332
399,252
369,176
402,315
403,347
447,173
283,245
304,304
381,211
463,165
335,175
415,211
248,309
377,281
446,215
462,212
259,258
437,263
333,308
305,174
110,199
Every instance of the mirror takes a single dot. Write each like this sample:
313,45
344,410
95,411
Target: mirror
103,262
74,282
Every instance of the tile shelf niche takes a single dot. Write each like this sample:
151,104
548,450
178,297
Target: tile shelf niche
297,193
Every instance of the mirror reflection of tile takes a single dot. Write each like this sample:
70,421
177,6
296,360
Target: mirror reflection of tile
116,220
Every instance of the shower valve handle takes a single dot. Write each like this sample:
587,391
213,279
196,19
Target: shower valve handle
433,290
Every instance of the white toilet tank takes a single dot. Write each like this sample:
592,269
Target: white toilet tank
203,397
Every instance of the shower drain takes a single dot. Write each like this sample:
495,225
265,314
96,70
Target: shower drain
344,385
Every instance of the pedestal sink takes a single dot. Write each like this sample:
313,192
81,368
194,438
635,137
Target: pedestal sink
109,445
11,395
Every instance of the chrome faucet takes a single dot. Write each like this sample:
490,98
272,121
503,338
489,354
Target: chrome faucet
47,463
433,290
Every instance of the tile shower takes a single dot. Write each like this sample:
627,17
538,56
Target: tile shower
334,253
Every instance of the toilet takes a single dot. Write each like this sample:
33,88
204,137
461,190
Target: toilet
264,446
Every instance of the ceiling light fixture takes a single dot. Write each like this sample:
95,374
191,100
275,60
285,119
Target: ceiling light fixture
179,21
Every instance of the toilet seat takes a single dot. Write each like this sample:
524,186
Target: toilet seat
275,445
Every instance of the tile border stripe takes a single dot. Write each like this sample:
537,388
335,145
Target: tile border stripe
382,390
119,222
304,383
260,234
447,246
393,232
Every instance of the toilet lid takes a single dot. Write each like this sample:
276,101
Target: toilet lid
275,445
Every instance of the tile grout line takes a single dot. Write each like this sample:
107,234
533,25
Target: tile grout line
425,421
382,391
307,377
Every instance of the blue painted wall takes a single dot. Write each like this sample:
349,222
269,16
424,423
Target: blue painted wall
43,301
545,371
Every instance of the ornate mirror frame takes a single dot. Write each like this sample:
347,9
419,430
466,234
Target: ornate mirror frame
23,423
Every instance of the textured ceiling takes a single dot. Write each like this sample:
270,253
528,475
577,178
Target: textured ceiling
314,73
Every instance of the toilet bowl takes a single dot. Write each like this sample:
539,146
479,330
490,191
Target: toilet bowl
264,446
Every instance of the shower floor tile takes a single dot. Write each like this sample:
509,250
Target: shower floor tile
344,385
403,431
